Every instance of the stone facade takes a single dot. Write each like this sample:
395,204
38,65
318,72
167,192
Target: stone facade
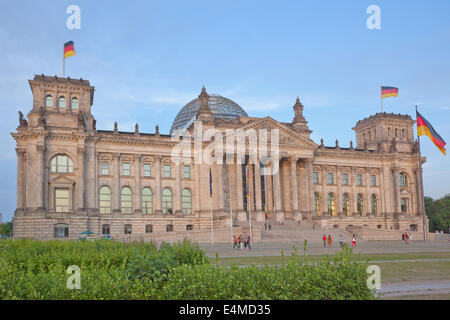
72,177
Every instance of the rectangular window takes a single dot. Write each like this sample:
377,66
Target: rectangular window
374,180
316,177
105,168
126,168
330,178
345,179
359,179
62,200
147,170
166,173
403,204
187,172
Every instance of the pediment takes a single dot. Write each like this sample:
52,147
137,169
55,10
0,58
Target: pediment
287,135
61,179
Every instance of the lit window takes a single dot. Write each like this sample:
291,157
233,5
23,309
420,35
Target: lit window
317,203
105,168
49,101
374,180
187,172
105,200
186,201
62,102
316,177
147,201
360,204
74,103
61,164
166,173
345,179
331,207
167,201
359,179
62,200
330,178
345,204
147,170
126,168
126,203
374,204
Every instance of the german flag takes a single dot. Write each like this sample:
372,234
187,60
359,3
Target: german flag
69,49
387,92
424,128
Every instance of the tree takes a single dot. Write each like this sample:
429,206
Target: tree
6,228
438,211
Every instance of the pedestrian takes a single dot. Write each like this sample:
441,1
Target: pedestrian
235,242
329,241
240,241
245,242
265,226
410,237
341,240
406,237
270,227
354,241
248,243
403,237
324,238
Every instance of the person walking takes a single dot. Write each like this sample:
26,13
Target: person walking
248,243
354,241
403,237
329,240
235,243
240,241
341,240
324,238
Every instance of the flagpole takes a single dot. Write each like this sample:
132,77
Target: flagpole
421,184
231,208
64,61
381,98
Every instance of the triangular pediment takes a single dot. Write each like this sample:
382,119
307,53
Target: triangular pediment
287,135
61,179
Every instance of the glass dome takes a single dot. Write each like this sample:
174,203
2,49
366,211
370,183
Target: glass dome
221,108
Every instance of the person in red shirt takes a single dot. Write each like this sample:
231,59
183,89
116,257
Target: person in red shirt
324,238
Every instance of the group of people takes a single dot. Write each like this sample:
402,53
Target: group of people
341,241
406,237
242,242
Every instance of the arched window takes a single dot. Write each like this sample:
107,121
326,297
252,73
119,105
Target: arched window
49,101
360,204
74,103
331,207
125,197
403,133
186,201
389,132
61,230
345,204
317,203
147,201
396,132
167,201
61,164
62,102
374,204
403,180
105,200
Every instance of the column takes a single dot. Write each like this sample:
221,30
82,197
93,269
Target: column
20,178
324,205
354,197
90,177
310,171
259,212
242,216
418,193
116,183
279,214
269,189
40,151
177,194
396,172
137,197
368,209
220,187
157,195
80,180
294,188
339,204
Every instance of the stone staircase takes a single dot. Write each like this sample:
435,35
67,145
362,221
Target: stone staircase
291,231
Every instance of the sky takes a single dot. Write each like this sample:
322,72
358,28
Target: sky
147,59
